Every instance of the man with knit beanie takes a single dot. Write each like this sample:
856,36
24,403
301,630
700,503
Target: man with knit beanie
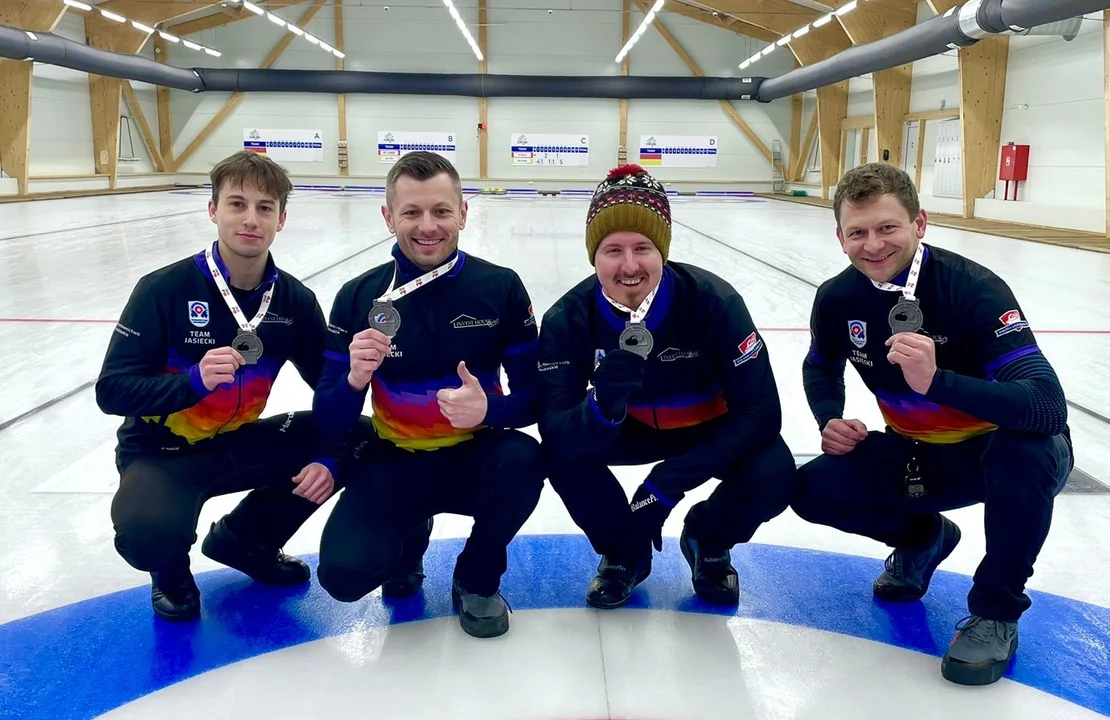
651,360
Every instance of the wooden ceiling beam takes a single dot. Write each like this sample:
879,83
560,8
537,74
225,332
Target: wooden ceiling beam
237,98
15,87
891,88
832,100
153,13
696,70
226,17
780,17
724,22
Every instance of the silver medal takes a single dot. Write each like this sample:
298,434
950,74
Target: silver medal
385,318
636,339
249,346
906,316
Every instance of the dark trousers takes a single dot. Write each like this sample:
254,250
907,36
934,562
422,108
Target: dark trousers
1015,475
755,489
156,507
495,478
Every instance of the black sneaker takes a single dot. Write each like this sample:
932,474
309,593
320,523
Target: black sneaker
712,573
615,581
981,651
174,594
909,570
270,567
408,578
481,616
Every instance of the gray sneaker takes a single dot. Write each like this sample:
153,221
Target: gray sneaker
980,652
481,616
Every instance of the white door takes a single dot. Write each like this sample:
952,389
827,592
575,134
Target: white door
909,149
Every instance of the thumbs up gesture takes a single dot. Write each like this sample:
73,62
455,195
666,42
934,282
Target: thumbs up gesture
464,407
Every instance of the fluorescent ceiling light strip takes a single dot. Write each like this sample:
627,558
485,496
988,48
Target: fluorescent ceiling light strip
823,20
639,31
275,19
253,8
142,27
462,28
845,9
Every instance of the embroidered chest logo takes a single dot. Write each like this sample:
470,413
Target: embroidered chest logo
198,313
748,349
671,354
466,321
857,332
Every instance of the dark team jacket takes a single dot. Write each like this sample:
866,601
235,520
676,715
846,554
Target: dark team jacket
478,312
176,314
991,372
708,362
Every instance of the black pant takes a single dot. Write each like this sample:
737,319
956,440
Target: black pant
156,508
754,490
1015,475
496,478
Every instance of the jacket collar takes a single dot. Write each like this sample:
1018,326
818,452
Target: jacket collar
269,276
659,306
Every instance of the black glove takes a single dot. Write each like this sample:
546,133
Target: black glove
619,376
649,511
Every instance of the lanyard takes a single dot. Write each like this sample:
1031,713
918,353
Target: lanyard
911,281
230,299
391,294
637,315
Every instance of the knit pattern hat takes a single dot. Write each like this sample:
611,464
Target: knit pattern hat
629,199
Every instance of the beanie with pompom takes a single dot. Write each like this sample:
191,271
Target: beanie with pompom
629,199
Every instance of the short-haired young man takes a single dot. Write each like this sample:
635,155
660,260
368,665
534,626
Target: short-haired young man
679,374
426,335
973,410
190,366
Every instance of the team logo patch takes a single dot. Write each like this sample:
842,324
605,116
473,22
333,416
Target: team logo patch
198,313
857,332
748,349
1011,322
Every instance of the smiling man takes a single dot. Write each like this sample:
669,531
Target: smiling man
190,365
680,374
974,414
426,335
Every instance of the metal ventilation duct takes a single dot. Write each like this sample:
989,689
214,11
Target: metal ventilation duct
55,50
961,26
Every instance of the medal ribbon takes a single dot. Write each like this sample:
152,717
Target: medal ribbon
232,305
637,315
391,294
911,281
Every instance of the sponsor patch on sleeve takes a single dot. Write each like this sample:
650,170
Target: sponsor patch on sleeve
748,349
1011,322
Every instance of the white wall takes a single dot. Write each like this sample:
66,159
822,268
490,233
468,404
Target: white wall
1054,103
61,119
523,38
1054,100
